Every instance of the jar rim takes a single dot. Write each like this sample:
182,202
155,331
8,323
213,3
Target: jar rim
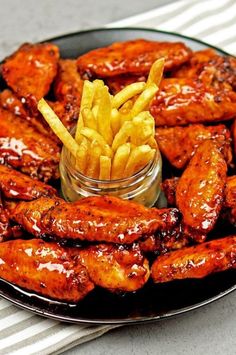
86,178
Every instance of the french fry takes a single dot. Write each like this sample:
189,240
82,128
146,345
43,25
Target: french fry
91,134
115,121
95,152
89,119
156,72
57,126
105,168
126,107
138,159
143,101
98,85
103,116
86,102
120,160
143,128
127,93
123,135
82,155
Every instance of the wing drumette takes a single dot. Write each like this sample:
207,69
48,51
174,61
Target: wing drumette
116,268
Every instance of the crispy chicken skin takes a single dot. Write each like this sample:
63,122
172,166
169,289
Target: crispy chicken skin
26,149
213,69
183,101
200,190
68,84
10,102
119,82
45,268
165,241
229,210
116,268
30,71
178,144
97,218
133,57
15,185
194,66
196,262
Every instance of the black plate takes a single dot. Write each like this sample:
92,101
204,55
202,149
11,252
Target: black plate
153,302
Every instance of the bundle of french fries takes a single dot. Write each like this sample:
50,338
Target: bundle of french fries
114,135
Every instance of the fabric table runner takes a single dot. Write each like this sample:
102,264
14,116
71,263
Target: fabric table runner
213,21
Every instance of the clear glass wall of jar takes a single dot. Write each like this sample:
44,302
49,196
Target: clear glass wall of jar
142,187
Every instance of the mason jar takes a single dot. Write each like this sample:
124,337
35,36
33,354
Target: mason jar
142,187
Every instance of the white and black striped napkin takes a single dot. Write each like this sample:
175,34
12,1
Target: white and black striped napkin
213,21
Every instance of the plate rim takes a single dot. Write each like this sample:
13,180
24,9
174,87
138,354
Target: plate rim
141,319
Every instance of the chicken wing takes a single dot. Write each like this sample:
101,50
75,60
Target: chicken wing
103,219
117,268
10,102
68,112
133,57
68,84
165,241
196,261
178,144
45,268
183,101
200,190
210,68
169,187
15,185
26,149
229,210
195,64
30,71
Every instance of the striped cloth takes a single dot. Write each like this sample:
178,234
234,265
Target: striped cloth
213,21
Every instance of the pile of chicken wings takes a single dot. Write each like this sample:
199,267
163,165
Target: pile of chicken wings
63,250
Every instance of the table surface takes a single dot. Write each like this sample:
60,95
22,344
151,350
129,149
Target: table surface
209,330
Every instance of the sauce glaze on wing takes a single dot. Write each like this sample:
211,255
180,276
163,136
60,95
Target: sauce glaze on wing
178,144
197,261
183,101
26,149
30,71
45,268
133,57
200,189
96,218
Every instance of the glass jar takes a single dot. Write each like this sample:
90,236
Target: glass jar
142,187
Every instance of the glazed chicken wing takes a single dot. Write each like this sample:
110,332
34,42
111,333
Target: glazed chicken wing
26,149
68,84
15,185
183,101
164,241
196,261
169,187
178,144
117,268
103,219
30,71
211,68
133,57
45,268
200,190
